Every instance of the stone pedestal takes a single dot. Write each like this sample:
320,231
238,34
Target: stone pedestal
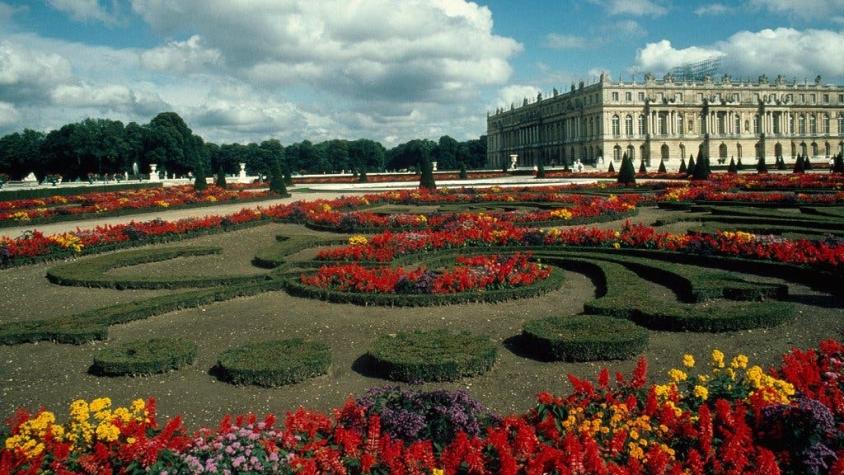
30,179
514,160
434,166
241,176
153,173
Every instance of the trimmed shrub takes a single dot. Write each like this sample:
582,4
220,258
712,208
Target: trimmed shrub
277,179
807,163
611,169
683,168
199,182
661,168
362,176
156,355
540,170
761,166
221,178
799,165
642,169
701,169
426,181
584,338
691,168
75,190
838,164
438,355
739,165
626,174
780,163
732,169
463,175
275,362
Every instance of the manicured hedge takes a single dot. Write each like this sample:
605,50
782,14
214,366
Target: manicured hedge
275,362
273,256
93,324
438,355
93,272
584,338
296,288
9,195
156,355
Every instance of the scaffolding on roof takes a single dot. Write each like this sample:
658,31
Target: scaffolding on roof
697,71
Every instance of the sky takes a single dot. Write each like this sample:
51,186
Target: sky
248,70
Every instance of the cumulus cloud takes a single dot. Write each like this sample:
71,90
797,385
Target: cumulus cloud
417,50
8,114
27,74
516,94
85,10
632,7
181,56
560,41
784,51
712,9
804,9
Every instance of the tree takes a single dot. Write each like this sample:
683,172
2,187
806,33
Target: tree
611,169
739,165
169,143
799,165
277,179
661,168
446,153
642,168
199,181
691,168
701,171
540,170
732,170
838,163
20,153
463,175
807,163
781,163
761,167
627,174
362,178
682,165
426,181
221,178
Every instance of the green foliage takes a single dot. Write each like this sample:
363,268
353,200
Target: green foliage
93,272
277,179
70,191
739,165
807,163
274,363
732,169
200,182
611,168
221,178
426,181
156,355
761,166
838,164
661,168
701,169
642,168
780,163
20,153
799,165
540,169
626,174
438,355
691,168
463,175
584,338
362,176
274,255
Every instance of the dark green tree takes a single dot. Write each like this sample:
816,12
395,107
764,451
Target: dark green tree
739,165
642,168
732,168
799,165
446,153
199,180
691,168
277,179
426,181
807,163
611,169
540,170
682,165
626,174
20,153
169,143
661,168
463,175
701,171
221,178
761,166
838,163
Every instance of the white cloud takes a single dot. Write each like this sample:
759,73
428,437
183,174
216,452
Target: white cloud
804,9
85,10
632,7
712,9
560,41
515,94
181,56
26,74
625,28
784,51
8,114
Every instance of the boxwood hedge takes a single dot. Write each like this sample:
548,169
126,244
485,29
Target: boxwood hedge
274,362
438,355
584,338
155,355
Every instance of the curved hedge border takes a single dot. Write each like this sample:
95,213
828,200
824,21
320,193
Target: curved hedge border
92,272
584,338
275,362
156,355
274,256
294,287
437,355
9,195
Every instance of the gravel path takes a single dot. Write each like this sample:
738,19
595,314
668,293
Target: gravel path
171,215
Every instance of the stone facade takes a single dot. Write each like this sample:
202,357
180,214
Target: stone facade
667,119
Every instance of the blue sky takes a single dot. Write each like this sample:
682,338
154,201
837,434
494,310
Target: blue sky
391,70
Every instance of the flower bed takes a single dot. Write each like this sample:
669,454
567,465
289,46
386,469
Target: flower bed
725,417
110,203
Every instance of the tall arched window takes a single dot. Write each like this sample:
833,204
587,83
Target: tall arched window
641,125
813,125
615,126
628,125
841,123
756,124
737,125
825,124
801,124
791,124
663,124
722,123
591,128
679,124
814,149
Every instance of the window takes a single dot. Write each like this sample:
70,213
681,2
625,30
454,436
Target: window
659,97
826,98
691,128
628,96
663,124
615,97
802,98
841,123
756,124
756,98
737,125
628,125
615,126
813,124
642,96
641,124
678,97
789,98
811,98
841,98
801,124
699,97
679,124
722,124
791,125
825,124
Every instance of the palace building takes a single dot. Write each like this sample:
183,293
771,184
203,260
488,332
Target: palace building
668,119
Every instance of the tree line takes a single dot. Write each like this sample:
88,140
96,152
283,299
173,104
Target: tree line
104,146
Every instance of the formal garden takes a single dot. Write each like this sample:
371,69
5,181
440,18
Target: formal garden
663,326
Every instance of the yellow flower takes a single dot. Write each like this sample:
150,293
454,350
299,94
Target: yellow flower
688,361
421,219
561,213
616,245
138,405
358,240
739,361
701,392
162,204
108,432
717,358
99,404
677,375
